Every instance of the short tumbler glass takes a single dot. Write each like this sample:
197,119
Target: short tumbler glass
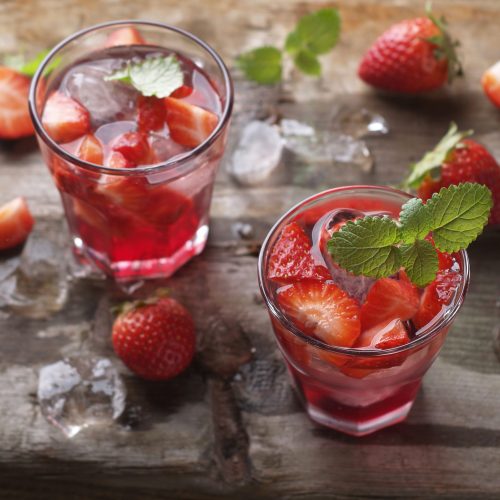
362,401
109,236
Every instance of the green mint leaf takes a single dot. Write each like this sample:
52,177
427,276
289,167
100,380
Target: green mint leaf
316,33
420,261
307,62
431,163
262,65
416,222
153,76
459,214
29,68
366,247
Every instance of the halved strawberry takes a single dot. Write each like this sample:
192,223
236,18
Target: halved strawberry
150,113
322,310
65,119
16,223
91,150
124,36
291,258
189,125
438,294
389,299
134,147
15,121
491,84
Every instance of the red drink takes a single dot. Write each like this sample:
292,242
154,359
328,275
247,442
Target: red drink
354,376
135,172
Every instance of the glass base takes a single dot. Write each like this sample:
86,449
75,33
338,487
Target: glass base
143,269
359,428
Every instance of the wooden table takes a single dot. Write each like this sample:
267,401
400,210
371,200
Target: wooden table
230,427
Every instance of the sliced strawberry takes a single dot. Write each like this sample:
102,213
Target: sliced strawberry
386,335
15,121
189,125
16,223
151,113
125,36
322,310
134,147
389,299
91,150
291,258
181,92
117,160
65,119
438,294
491,84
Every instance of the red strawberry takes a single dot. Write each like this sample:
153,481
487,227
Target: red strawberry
90,150
117,160
322,310
189,125
491,84
125,36
438,294
456,160
181,92
16,223
15,121
134,147
291,258
389,299
155,339
65,119
150,113
412,56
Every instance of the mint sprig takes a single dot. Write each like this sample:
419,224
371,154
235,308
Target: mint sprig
378,246
29,66
153,76
315,34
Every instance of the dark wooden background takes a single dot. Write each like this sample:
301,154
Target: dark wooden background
230,426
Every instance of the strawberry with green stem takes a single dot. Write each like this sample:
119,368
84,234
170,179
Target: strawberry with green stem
412,56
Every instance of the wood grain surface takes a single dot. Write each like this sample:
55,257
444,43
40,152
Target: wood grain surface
230,426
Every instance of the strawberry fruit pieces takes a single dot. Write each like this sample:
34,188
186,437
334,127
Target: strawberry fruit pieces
291,258
189,125
65,119
491,84
91,150
16,223
389,299
151,114
322,310
15,121
134,147
125,36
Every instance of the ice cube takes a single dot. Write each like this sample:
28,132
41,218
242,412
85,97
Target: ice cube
165,148
39,286
356,286
106,101
257,154
75,393
326,146
361,123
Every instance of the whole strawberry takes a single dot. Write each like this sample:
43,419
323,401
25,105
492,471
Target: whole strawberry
412,56
155,338
456,159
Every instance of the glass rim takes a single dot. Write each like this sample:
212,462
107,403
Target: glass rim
145,169
428,332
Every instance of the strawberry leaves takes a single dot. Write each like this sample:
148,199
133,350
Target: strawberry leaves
315,34
378,246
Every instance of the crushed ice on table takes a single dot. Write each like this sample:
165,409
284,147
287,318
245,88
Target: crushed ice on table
325,146
360,123
356,286
105,101
257,154
243,230
39,285
75,393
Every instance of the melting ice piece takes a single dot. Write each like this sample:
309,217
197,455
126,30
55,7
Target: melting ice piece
165,148
361,123
75,393
326,146
356,286
105,101
39,286
257,154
